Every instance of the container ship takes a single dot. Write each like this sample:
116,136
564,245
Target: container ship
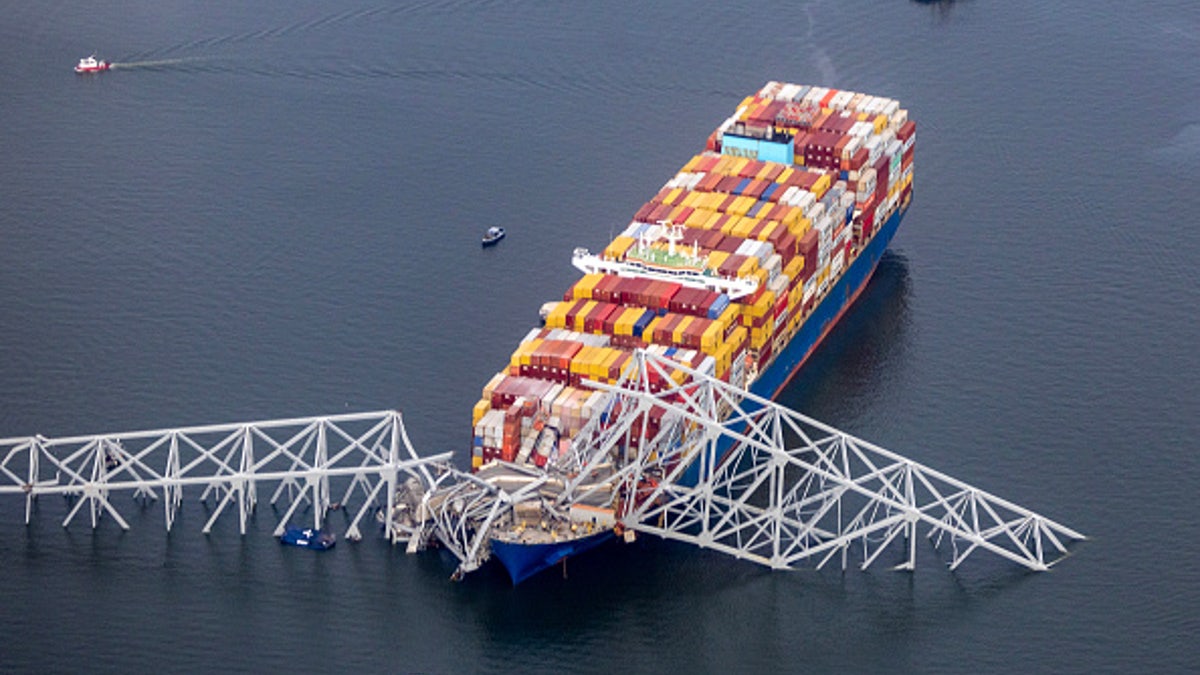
738,268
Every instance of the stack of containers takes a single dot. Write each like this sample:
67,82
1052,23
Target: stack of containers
792,228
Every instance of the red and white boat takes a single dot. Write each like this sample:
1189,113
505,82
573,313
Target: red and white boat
91,65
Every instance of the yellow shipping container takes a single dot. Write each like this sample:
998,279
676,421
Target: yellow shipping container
557,318
476,461
583,288
710,340
677,215
737,339
579,318
730,316
597,361
749,267
764,305
792,269
744,226
691,199
677,336
736,166
618,246
672,196
792,217
481,408
822,185
698,217
691,165
521,356
759,337
648,331
765,233
787,173
715,259
710,219
609,362
624,322
741,205
880,123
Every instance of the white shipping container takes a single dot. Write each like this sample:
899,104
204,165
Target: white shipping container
890,107
852,147
842,100
804,199
770,89
789,194
874,146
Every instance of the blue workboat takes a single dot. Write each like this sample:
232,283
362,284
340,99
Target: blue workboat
306,537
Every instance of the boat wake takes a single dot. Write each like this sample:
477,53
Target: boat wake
158,63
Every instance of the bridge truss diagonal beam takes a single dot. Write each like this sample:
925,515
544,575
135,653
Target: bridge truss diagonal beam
303,458
781,489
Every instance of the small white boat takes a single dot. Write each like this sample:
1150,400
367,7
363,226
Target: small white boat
91,65
493,235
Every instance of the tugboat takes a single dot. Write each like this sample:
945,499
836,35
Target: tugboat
492,236
91,65
306,537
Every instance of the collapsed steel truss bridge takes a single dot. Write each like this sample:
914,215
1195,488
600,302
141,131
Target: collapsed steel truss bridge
726,470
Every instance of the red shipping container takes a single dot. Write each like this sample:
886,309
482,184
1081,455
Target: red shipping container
660,213
751,169
730,243
644,212
690,235
683,214
712,239
605,289
728,184
666,292
786,247
859,160
595,321
576,305
709,183
906,131
773,171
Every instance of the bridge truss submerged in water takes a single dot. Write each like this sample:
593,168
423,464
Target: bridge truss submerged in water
728,471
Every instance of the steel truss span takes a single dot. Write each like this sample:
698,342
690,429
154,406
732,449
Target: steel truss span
781,489
736,473
304,459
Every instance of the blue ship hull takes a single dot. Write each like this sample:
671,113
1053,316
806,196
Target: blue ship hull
525,560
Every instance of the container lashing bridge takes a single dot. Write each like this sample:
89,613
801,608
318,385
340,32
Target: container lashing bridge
726,470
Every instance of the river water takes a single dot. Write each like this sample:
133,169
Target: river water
273,209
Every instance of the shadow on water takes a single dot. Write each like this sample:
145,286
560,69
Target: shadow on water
863,354
940,8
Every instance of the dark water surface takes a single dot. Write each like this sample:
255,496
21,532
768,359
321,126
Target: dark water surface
273,210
